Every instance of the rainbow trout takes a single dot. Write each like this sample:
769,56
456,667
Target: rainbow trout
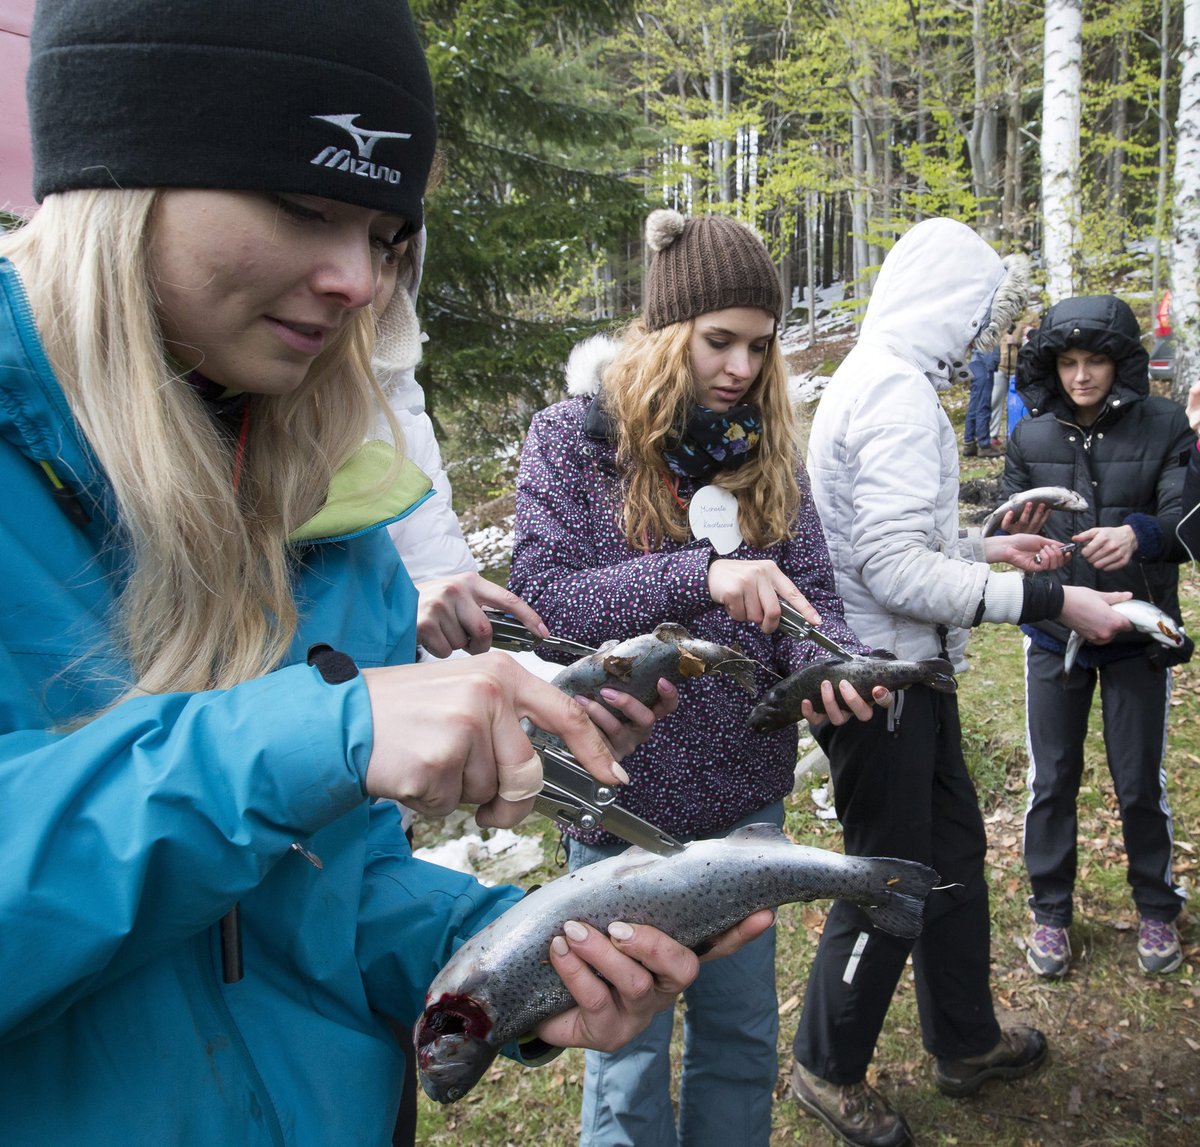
500,984
635,665
1056,497
780,705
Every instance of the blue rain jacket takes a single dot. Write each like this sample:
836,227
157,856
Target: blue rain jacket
127,838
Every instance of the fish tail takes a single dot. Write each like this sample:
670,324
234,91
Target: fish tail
940,675
900,905
902,915
741,669
1073,644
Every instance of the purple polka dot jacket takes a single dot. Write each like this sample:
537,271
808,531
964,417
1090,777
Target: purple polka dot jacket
702,768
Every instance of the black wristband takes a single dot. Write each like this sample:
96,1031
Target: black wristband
1044,598
333,666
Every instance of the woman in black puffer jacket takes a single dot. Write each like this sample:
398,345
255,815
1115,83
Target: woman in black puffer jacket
1096,429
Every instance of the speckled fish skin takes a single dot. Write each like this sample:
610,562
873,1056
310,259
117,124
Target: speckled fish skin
1145,617
1056,497
781,704
500,984
635,665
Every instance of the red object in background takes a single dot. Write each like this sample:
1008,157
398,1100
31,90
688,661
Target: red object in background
16,159
1162,316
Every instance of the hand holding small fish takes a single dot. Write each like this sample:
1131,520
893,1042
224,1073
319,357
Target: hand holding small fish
1107,547
635,722
450,733
1088,612
450,613
1031,520
1030,553
752,590
621,981
856,707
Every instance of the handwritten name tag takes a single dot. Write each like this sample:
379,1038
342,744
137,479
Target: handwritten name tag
713,514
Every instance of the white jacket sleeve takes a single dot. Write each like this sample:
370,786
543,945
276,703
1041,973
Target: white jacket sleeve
430,540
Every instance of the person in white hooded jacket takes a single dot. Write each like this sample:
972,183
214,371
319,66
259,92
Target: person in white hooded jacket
883,460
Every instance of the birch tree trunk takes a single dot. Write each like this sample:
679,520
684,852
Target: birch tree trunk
1164,143
1185,250
1063,49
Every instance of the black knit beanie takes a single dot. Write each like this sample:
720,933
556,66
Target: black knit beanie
708,263
302,96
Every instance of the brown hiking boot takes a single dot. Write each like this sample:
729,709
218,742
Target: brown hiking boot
1021,1050
855,1112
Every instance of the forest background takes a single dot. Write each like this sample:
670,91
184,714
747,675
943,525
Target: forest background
829,125
1063,130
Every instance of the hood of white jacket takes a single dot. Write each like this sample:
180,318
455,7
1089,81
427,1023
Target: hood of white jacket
933,297
587,363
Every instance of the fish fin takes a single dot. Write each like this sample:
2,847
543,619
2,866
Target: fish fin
901,908
757,834
941,674
902,915
671,631
741,670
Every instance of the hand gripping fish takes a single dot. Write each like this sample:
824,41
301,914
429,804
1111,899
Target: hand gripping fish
781,704
1056,497
1146,618
500,984
635,665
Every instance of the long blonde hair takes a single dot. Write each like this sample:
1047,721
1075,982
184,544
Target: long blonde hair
208,601
649,391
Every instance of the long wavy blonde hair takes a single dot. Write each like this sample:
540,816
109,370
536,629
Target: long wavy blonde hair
208,601
649,391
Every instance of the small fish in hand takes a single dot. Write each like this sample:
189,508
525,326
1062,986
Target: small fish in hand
1056,497
635,665
782,704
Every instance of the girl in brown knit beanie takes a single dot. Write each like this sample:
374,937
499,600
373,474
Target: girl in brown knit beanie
670,489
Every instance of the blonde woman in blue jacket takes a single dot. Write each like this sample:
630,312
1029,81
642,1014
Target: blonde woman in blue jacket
205,914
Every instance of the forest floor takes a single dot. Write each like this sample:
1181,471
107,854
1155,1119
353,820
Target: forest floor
1124,1069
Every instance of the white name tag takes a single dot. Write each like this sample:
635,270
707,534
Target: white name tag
713,514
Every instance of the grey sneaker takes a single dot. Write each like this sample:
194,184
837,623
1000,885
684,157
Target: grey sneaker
1158,947
1021,1050
855,1112
1048,951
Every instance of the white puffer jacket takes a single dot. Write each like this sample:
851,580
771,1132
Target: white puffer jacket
883,457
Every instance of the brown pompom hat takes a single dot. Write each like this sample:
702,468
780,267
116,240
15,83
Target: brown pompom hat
707,263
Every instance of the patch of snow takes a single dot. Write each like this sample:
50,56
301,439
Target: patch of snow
501,858
492,546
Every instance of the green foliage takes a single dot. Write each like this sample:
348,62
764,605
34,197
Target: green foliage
531,136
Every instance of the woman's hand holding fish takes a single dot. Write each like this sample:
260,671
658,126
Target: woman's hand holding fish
448,734
625,735
621,981
1028,552
857,707
751,591
450,613
1108,547
1031,520
1087,612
